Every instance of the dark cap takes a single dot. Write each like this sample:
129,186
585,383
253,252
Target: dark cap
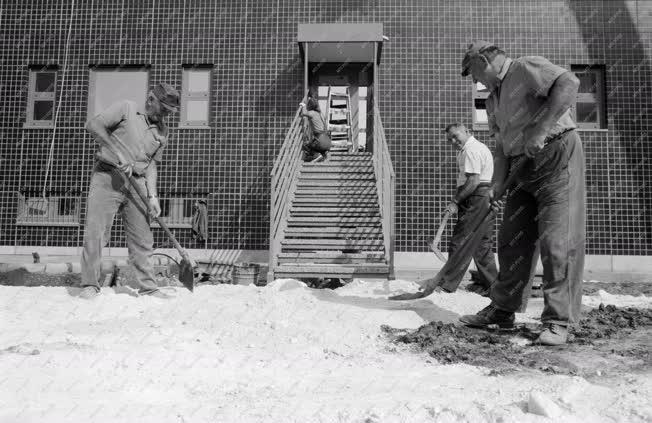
474,49
167,95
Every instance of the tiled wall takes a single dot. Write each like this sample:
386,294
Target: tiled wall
258,81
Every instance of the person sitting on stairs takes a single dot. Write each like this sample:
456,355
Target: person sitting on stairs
318,144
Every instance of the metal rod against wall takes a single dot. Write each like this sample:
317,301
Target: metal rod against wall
61,90
375,76
305,70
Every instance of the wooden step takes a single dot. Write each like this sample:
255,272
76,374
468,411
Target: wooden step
340,203
345,201
323,176
335,159
335,209
333,232
304,183
335,191
361,154
337,169
348,155
316,255
333,221
319,244
342,259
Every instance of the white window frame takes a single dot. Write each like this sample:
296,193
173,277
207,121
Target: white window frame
33,96
478,95
187,96
599,98
50,211
92,84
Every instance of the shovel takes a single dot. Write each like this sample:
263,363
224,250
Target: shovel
186,269
468,244
434,246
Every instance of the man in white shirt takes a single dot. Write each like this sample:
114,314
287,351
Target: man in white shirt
471,203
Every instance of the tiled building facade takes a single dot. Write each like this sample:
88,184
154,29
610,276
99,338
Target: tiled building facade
257,81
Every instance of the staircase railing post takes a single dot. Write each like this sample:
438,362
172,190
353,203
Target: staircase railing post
385,187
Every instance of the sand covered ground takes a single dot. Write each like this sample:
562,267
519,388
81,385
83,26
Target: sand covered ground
281,353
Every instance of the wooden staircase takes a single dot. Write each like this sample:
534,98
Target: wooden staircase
334,227
332,219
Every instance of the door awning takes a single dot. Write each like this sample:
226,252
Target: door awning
340,42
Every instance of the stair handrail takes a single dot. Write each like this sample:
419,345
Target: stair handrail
385,184
284,175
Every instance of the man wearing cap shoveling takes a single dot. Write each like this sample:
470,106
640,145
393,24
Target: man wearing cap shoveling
131,142
529,115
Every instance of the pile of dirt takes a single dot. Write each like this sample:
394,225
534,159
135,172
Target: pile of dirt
21,277
608,321
618,288
617,335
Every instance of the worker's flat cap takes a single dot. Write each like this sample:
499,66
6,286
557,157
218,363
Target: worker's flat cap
475,48
167,95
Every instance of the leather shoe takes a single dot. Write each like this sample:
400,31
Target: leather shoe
160,294
89,293
552,335
489,316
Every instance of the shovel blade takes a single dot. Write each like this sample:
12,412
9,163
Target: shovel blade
187,275
407,296
434,249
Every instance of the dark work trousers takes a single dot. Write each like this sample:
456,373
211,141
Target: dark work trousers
471,211
320,144
548,204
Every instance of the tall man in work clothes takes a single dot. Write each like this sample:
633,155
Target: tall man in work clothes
529,115
131,141
476,166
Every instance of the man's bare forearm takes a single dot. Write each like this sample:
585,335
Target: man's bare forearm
151,174
561,97
467,189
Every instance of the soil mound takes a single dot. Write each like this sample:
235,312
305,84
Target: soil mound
619,335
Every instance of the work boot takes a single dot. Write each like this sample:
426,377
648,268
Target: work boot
552,335
489,316
160,294
89,292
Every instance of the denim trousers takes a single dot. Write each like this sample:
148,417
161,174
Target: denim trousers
548,205
110,193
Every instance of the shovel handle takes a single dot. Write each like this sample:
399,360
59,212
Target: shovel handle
442,225
162,224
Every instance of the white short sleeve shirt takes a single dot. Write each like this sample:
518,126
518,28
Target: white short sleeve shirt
475,157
